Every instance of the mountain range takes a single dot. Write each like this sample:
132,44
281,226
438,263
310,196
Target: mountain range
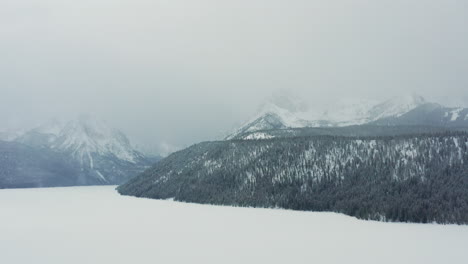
97,153
404,159
283,113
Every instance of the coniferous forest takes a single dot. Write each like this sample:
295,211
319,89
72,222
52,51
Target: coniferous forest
408,178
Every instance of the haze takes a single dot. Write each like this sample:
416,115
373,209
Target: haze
181,71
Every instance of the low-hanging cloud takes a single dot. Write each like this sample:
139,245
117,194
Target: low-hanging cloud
182,71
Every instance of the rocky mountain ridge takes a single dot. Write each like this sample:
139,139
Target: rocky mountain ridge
404,110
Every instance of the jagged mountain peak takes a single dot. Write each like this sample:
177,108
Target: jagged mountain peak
276,113
87,135
405,109
99,153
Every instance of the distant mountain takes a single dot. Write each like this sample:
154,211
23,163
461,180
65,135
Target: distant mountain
416,178
429,114
395,107
277,113
23,166
100,150
103,154
404,110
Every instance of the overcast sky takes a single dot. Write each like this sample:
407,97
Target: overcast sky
182,71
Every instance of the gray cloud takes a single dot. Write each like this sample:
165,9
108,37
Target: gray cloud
182,71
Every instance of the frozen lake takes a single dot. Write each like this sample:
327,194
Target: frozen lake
96,225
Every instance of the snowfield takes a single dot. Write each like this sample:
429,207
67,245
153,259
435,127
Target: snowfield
97,225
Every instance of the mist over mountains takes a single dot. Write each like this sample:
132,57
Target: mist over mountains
283,109
285,113
403,159
95,153
132,130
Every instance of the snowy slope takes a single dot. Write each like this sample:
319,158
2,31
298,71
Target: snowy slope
102,152
344,112
87,136
349,111
361,111
96,225
395,107
456,114
429,114
279,111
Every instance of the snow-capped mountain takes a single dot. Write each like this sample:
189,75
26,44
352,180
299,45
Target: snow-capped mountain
279,111
395,107
404,110
348,111
101,152
430,114
86,136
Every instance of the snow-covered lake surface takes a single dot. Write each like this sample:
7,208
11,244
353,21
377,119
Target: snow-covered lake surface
97,225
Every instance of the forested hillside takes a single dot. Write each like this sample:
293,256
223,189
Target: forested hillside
416,178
